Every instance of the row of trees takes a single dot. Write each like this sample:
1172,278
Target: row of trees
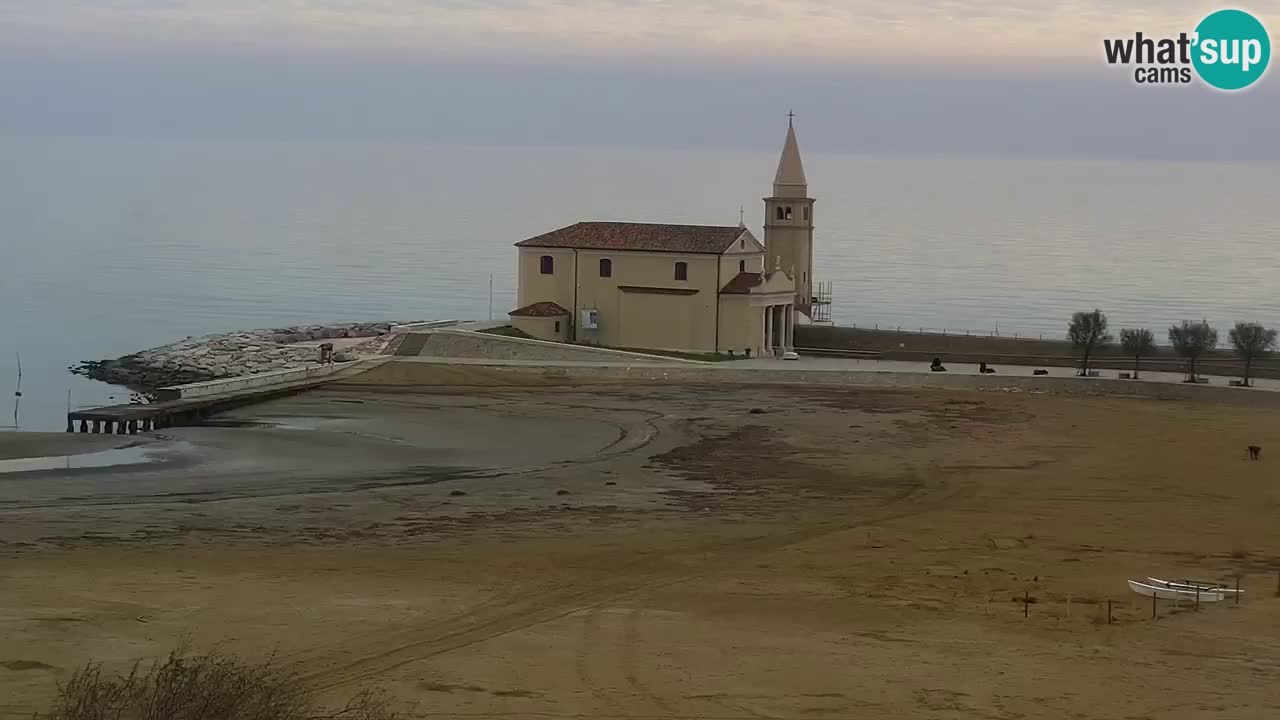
1087,332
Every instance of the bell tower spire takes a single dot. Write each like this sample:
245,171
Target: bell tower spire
789,181
788,220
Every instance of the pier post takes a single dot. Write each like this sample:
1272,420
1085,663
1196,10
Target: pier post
84,426
119,427
133,427
97,426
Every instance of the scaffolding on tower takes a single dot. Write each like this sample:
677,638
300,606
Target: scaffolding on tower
820,310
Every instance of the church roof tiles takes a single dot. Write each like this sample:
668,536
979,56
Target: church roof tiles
652,237
745,282
742,283
539,309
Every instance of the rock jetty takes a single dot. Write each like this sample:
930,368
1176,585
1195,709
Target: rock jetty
235,354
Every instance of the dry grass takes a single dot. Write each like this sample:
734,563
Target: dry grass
213,686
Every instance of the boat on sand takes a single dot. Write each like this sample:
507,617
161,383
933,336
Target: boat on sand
1192,585
1193,594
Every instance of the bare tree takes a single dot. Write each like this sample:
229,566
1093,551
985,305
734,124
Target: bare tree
1252,341
1191,340
1087,332
1137,342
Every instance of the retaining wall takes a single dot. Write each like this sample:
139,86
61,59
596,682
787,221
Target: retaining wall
406,375
246,382
468,344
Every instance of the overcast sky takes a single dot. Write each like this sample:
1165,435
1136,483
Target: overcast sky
953,76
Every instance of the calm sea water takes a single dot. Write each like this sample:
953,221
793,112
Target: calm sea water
113,246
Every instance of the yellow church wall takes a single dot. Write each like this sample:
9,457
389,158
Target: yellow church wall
630,318
748,262
536,287
741,325
554,329
657,322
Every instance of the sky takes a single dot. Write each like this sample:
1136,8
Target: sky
1018,77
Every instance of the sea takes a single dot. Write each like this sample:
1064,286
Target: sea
108,246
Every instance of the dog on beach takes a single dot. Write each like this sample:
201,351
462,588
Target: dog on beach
1255,452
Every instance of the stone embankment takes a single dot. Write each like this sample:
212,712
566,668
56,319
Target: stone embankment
236,354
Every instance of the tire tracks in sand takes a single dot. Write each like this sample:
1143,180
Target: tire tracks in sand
529,607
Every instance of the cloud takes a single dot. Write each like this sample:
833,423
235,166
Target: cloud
906,31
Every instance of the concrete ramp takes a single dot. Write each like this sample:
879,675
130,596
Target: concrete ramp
410,344
467,344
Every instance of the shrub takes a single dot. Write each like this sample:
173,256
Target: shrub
215,686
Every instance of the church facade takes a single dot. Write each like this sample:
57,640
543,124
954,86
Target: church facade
686,288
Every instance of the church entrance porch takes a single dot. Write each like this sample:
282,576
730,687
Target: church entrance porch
779,329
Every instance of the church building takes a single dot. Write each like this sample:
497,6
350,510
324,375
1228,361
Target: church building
687,288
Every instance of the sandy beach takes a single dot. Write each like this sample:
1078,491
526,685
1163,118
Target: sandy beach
667,551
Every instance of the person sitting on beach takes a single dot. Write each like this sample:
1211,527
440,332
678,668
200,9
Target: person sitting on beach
982,368
936,365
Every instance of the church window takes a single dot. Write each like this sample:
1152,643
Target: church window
606,267
682,271
557,326
788,217
806,213
781,215
548,265
742,266
742,244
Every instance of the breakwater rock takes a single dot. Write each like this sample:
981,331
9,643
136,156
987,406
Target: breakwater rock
237,354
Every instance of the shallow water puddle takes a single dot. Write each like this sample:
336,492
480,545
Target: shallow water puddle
102,458
279,423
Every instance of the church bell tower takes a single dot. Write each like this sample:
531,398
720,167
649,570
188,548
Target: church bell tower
788,222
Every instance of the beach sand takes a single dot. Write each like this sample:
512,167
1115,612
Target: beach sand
669,552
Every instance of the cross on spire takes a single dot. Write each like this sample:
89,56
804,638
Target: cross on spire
742,216
790,116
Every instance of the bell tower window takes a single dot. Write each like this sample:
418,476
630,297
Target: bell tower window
788,213
547,265
682,271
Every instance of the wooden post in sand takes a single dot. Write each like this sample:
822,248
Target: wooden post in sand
1153,607
1026,603
1108,612
1237,589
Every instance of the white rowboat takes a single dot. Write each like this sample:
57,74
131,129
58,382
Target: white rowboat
1172,593
1192,585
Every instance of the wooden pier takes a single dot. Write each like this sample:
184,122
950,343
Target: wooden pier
132,419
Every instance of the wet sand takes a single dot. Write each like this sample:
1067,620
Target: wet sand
664,551
31,444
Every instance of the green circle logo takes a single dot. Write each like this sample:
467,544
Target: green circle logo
1232,49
